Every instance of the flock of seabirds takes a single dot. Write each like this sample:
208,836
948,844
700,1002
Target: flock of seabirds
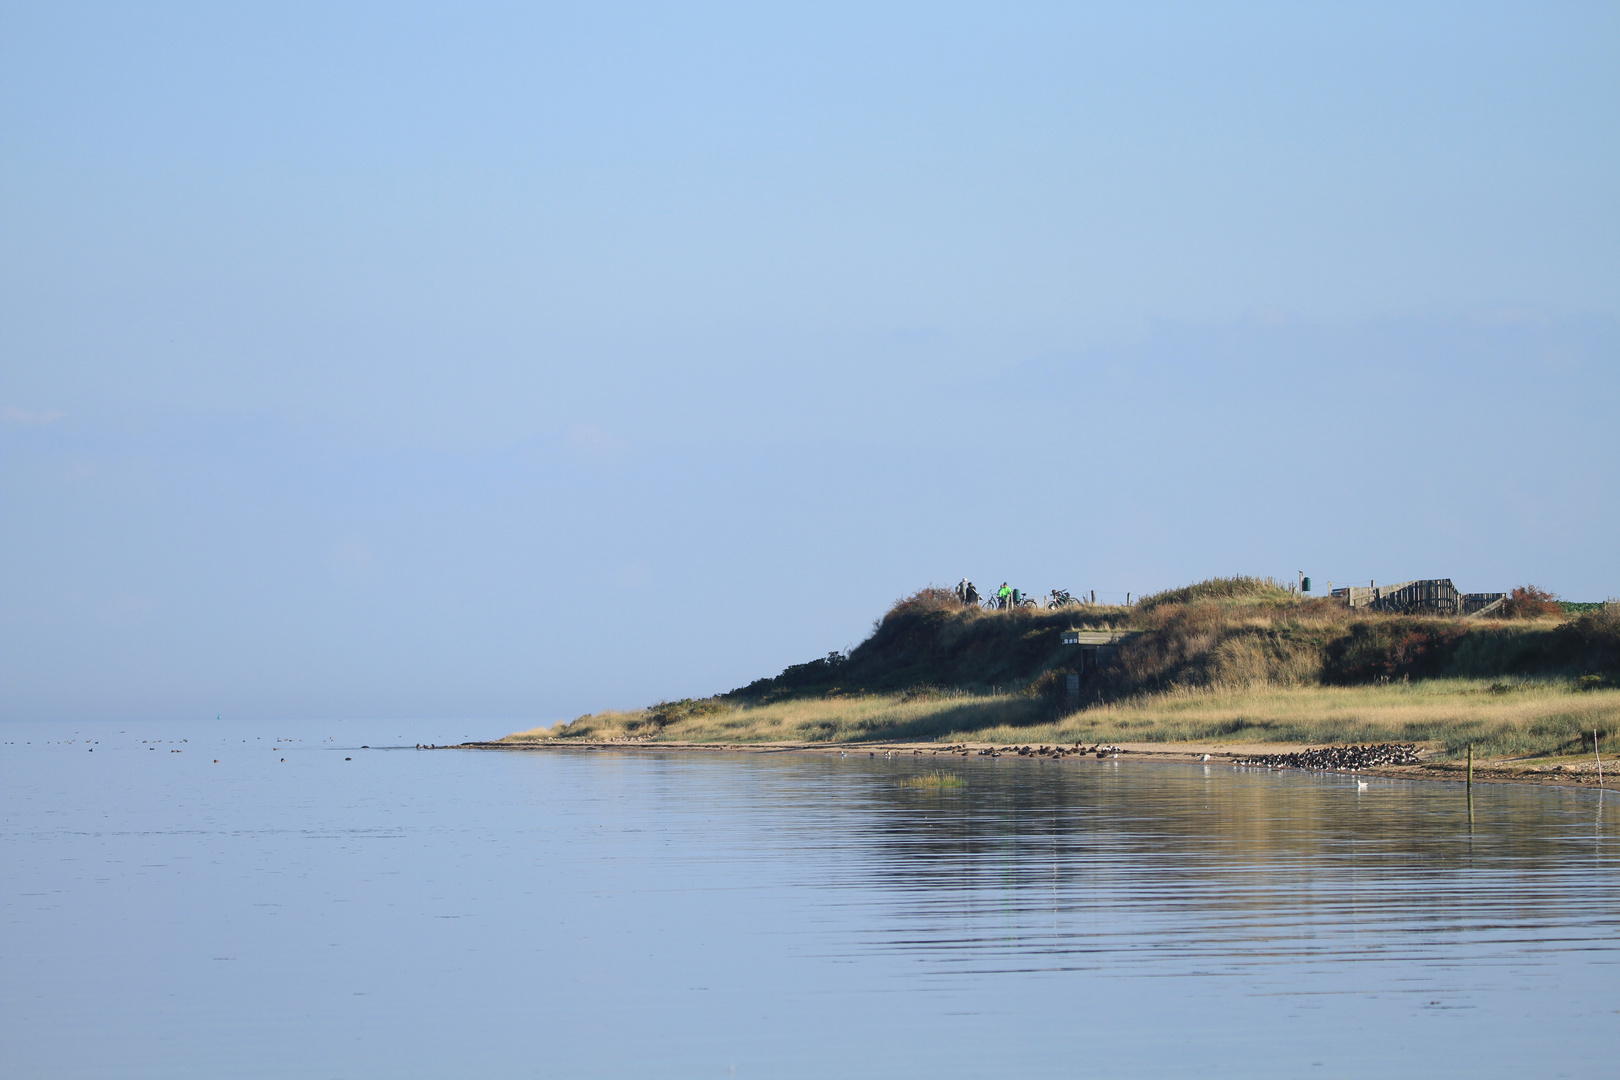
1054,752
1352,758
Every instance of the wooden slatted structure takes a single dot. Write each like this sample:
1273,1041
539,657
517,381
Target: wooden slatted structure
1425,596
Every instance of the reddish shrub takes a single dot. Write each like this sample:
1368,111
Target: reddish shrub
1529,602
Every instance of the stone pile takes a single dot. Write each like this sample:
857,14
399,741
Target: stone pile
1339,757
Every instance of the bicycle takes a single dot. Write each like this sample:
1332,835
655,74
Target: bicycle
1061,598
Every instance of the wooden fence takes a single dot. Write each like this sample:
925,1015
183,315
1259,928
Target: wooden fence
1428,596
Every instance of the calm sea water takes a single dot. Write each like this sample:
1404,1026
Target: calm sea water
394,913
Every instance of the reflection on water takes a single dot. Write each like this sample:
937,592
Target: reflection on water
638,914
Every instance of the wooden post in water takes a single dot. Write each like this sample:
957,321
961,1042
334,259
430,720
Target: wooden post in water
1470,789
1598,756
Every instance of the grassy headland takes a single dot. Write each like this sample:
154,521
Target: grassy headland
1227,660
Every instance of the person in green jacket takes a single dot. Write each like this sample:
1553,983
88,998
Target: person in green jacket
1003,596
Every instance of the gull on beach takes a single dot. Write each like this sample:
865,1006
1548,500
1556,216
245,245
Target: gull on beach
1205,757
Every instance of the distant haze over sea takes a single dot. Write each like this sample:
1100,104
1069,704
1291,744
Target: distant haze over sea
504,362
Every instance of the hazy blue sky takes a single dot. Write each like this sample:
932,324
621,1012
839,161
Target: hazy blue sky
513,361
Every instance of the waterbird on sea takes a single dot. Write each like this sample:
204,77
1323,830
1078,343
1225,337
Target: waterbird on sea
1361,785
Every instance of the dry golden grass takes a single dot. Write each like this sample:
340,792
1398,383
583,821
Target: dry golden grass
832,719
1501,718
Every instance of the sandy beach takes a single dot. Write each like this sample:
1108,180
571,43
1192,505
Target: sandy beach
1562,771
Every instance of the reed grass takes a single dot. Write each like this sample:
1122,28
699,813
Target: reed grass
934,780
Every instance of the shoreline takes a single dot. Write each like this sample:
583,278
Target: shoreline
1570,772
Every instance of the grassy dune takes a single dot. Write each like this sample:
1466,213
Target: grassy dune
1232,659
832,719
1500,719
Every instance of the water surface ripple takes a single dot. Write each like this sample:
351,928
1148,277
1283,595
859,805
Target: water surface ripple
394,913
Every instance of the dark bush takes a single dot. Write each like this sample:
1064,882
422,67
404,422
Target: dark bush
819,674
1590,642
665,713
1391,649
